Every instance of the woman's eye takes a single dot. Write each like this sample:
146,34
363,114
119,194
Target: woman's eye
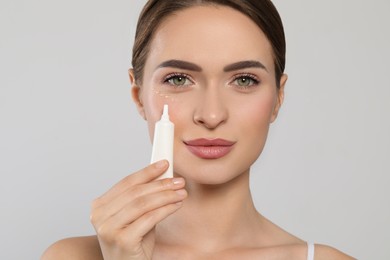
245,81
178,80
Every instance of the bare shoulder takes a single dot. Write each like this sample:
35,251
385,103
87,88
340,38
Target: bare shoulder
74,248
324,252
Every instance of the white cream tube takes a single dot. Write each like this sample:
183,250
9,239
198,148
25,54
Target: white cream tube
163,142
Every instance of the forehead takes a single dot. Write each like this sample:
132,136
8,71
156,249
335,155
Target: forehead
210,34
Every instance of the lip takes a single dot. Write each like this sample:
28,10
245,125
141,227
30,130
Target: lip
209,148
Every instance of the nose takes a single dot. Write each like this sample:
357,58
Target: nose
211,110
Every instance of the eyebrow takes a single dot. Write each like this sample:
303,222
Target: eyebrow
180,64
244,65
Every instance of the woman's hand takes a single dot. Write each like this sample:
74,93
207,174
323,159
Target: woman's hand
124,218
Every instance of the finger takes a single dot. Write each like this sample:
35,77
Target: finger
105,211
132,236
138,229
141,206
145,175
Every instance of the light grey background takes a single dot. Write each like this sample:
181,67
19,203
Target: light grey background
68,128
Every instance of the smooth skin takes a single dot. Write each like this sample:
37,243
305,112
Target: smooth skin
206,211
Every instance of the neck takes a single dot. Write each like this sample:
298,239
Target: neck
213,217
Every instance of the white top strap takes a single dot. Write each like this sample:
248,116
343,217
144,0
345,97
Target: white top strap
310,251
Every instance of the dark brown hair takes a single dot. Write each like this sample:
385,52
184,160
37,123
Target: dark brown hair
262,12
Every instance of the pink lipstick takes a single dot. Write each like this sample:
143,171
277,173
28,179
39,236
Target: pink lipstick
209,148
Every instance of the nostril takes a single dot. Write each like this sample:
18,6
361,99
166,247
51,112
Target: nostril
198,119
200,122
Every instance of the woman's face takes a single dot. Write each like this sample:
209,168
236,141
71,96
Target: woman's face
214,67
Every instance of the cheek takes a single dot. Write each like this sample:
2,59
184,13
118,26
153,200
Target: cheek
153,106
253,123
262,113
257,111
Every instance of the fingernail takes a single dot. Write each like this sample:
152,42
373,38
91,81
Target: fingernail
181,193
161,164
177,181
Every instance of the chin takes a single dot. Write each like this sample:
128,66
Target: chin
210,173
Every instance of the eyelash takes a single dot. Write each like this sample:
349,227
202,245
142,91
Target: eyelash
177,75
253,78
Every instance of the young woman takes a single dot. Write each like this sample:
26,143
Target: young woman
219,65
